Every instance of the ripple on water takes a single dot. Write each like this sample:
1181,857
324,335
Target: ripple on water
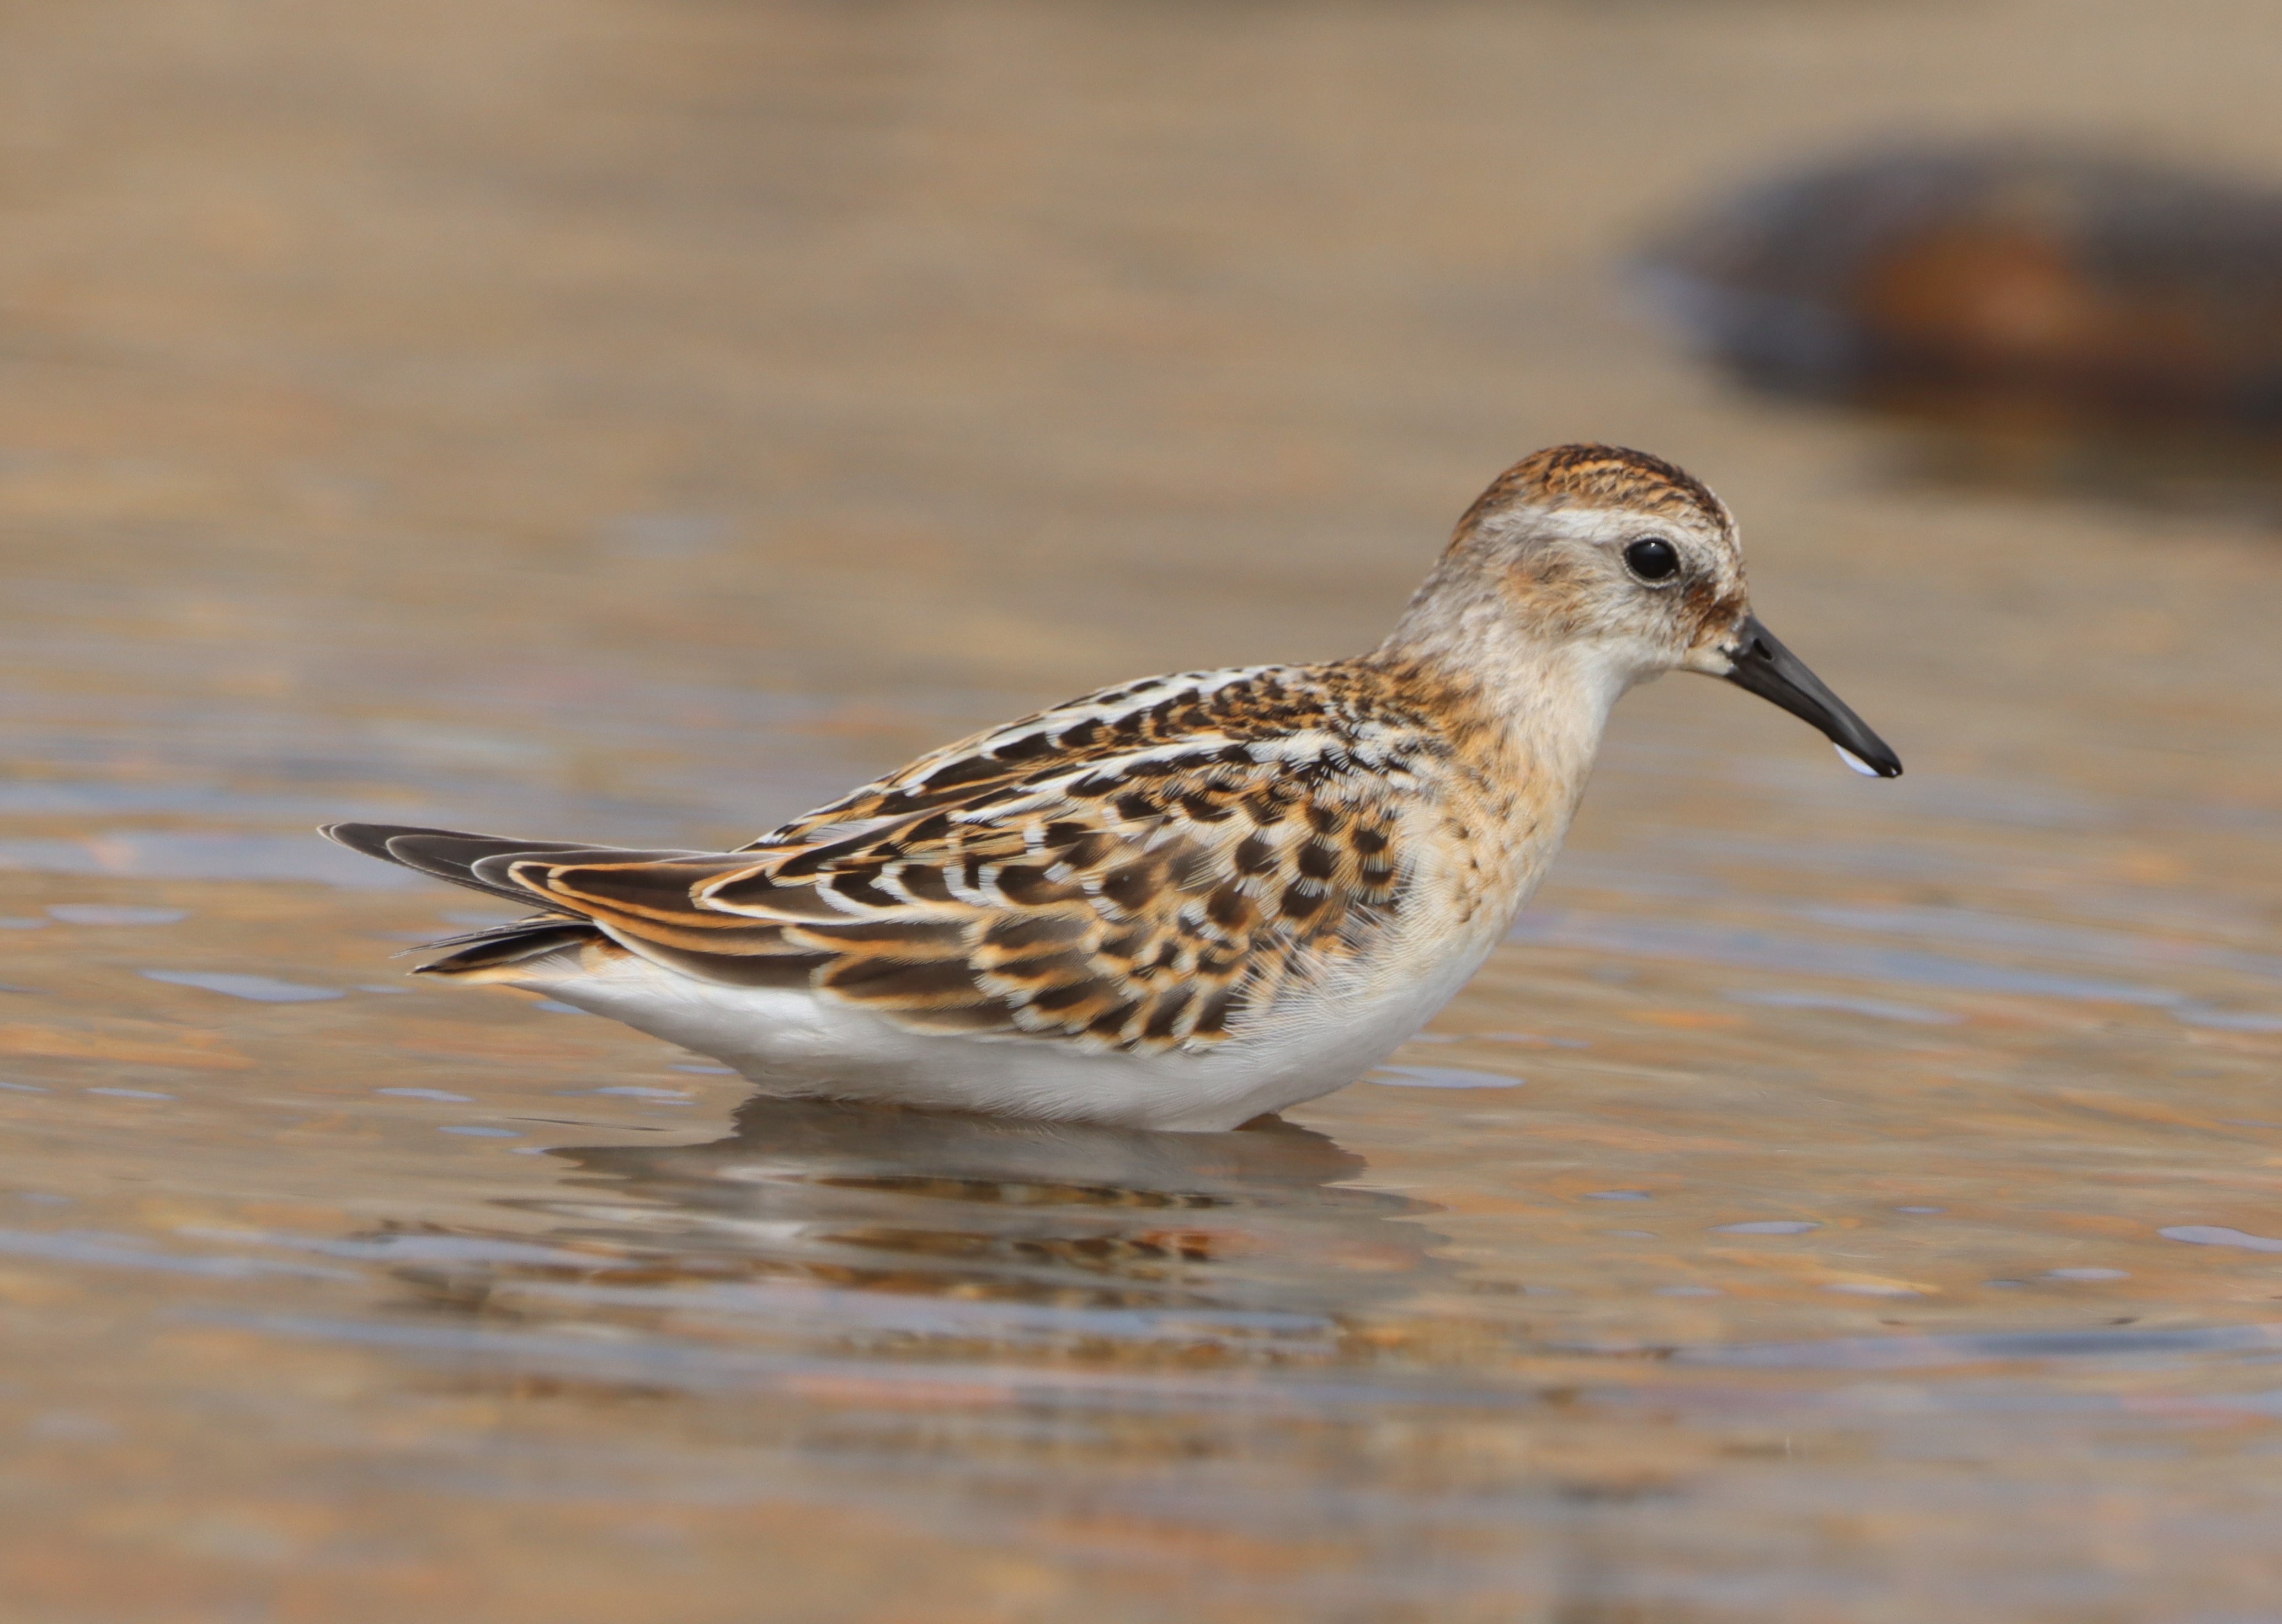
112,913
2214,1234
1909,1352
178,854
1878,1008
1441,1077
1763,950
259,989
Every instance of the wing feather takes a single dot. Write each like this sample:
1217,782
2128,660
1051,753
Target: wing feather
1139,869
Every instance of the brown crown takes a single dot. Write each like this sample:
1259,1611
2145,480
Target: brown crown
1598,476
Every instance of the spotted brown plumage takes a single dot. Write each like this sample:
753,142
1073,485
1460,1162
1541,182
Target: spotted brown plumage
1180,902
1135,869
1602,476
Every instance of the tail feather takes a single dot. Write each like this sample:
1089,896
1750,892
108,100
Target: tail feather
452,854
509,945
449,854
432,852
607,880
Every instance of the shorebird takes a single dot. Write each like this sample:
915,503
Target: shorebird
1181,902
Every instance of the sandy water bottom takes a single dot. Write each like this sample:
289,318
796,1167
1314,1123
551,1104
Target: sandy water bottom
1839,1200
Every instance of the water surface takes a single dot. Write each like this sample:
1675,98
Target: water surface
1838,1201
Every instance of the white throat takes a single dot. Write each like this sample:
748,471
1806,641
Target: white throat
1550,697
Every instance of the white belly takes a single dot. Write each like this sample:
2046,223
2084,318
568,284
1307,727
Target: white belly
793,1042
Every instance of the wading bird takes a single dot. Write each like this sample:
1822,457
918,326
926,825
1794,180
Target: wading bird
1179,902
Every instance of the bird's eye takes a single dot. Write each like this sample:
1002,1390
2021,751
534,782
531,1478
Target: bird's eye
1652,558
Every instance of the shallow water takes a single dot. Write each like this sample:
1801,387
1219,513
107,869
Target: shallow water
1839,1200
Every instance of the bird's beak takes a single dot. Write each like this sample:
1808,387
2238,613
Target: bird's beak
1767,668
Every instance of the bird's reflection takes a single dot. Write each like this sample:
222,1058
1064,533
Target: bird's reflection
819,1221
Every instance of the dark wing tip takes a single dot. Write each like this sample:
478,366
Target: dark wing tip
443,854
371,840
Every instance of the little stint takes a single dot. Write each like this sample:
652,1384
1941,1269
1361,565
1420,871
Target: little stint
1179,902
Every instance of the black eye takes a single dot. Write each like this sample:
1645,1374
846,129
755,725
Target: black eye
1652,558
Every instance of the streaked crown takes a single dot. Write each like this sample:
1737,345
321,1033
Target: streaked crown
1590,476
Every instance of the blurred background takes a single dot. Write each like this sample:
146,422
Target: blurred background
638,420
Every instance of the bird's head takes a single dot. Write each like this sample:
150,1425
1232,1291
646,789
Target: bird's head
1632,566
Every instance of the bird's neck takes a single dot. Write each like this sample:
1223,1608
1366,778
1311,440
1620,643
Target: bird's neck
1524,711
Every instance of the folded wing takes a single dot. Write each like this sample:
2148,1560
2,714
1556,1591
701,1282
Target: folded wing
1137,870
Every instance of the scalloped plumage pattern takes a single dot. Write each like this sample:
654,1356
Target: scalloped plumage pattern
1138,870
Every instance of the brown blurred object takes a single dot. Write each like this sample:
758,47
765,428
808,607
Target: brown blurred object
2016,283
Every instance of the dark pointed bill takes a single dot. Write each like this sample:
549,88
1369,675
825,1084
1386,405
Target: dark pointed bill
1771,671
